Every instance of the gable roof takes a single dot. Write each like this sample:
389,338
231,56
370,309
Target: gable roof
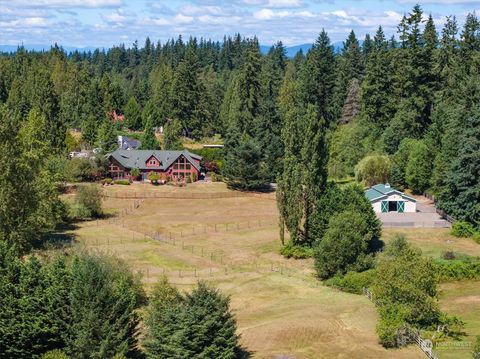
382,191
138,158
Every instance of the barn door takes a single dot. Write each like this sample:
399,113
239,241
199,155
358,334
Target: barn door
400,206
384,206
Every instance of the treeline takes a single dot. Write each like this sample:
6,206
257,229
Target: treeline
407,106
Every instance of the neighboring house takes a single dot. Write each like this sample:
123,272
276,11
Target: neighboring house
127,143
116,117
387,199
175,164
82,154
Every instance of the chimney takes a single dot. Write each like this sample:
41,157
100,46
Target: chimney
387,185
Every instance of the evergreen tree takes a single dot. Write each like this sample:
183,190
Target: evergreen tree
133,115
198,325
148,139
106,136
317,79
29,205
172,135
460,195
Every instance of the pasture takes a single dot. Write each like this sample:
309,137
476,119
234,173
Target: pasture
233,242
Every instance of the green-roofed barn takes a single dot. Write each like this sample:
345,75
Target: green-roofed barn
387,199
173,164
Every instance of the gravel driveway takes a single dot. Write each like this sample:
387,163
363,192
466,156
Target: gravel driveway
426,216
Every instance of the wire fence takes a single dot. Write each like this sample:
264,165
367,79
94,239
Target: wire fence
409,335
184,195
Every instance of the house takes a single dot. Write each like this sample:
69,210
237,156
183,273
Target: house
127,143
387,199
175,164
81,154
116,117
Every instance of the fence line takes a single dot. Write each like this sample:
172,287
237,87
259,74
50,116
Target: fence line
439,211
191,195
425,345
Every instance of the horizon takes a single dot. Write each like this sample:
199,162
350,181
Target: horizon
109,23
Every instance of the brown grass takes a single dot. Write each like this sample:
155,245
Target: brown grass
281,312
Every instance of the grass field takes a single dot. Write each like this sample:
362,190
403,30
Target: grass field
233,243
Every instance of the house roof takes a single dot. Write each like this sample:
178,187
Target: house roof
138,158
126,143
382,191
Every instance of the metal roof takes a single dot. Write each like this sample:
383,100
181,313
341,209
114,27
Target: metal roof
382,191
138,158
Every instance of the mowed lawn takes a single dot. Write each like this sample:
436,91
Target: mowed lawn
282,310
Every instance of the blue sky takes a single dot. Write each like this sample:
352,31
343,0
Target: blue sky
105,23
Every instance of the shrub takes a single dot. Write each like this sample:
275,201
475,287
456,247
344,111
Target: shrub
476,237
90,198
462,229
55,354
390,325
194,177
122,182
352,282
405,290
153,177
345,242
448,255
476,348
291,250
78,212
189,179
457,269
213,177
106,181
135,173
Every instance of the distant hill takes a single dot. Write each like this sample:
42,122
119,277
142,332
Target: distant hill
291,50
13,48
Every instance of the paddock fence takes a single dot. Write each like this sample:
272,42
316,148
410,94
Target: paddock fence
439,211
410,335
417,224
186,195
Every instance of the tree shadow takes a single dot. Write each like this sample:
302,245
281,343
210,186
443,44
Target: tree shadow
243,353
376,245
59,238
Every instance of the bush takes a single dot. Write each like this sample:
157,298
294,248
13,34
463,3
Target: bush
194,177
90,198
291,250
352,282
462,229
457,269
106,181
135,173
213,177
77,212
405,290
389,328
344,245
153,177
476,348
476,237
55,354
122,182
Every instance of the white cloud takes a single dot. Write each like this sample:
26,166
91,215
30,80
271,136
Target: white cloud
284,3
68,3
268,14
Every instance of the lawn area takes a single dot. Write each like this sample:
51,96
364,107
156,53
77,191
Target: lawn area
233,243
461,299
